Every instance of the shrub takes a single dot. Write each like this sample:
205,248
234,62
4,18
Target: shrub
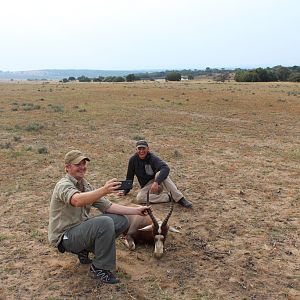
138,137
6,146
173,76
56,108
34,127
30,106
42,150
17,138
177,154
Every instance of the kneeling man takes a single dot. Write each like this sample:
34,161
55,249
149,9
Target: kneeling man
153,175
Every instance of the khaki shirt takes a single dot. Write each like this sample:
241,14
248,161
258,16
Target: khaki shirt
63,215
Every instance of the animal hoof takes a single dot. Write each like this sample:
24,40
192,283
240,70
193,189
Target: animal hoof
130,245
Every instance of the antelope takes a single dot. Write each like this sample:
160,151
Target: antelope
148,229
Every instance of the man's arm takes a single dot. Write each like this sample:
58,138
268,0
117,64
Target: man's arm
130,173
160,166
86,198
163,169
125,210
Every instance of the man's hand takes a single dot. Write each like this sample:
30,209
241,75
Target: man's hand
128,210
142,210
111,186
154,188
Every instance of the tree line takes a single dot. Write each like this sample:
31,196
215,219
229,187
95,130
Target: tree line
277,73
171,76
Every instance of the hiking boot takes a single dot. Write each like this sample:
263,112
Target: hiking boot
185,203
103,275
83,257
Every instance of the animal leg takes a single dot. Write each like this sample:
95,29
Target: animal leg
129,242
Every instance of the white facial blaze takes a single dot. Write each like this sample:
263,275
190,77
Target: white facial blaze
159,246
159,227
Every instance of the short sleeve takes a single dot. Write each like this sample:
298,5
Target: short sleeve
65,191
102,204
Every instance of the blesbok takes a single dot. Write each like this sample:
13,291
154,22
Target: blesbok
148,229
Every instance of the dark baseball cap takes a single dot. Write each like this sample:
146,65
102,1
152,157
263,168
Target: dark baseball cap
141,144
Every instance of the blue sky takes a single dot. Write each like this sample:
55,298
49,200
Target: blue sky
148,34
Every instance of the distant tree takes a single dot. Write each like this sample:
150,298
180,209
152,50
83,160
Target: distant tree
118,79
190,77
222,77
65,80
107,79
257,75
246,76
71,78
130,77
283,73
84,79
295,69
173,76
98,79
262,74
208,71
114,79
294,77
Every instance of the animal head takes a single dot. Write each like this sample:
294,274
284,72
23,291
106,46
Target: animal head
159,228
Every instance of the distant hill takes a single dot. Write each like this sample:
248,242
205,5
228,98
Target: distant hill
53,74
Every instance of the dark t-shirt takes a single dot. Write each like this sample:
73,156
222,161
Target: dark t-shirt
146,169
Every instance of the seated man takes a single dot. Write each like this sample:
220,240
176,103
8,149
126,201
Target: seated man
71,228
153,175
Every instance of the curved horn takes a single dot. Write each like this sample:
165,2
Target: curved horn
150,213
147,202
165,221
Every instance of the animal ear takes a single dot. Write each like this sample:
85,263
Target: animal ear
147,228
172,229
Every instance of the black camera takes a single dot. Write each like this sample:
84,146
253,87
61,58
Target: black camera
125,185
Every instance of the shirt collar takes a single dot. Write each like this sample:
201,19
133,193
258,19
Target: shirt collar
74,180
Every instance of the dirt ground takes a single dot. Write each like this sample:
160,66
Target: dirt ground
233,149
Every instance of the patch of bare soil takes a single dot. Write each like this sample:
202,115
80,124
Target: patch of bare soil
233,149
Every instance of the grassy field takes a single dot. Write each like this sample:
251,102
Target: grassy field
233,149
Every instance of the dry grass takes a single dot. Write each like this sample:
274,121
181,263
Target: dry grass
233,150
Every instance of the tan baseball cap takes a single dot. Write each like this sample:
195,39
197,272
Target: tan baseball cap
75,157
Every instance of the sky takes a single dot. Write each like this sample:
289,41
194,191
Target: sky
148,34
